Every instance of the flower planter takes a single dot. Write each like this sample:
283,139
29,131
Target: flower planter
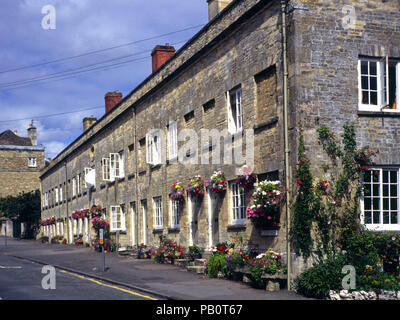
271,231
274,282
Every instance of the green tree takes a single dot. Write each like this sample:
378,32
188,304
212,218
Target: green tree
23,208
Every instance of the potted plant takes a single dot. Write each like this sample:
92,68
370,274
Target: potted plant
196,187
245,178
178,192
217,182
265,210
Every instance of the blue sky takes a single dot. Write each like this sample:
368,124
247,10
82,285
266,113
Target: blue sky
81,26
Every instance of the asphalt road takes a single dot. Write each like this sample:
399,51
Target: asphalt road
22,280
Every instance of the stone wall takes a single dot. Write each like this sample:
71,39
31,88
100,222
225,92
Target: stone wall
324,56
15,174
248,54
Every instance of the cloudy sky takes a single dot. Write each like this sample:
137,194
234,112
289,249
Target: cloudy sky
46,75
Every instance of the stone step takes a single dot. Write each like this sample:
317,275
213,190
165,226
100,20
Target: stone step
181,262
200,262
197,269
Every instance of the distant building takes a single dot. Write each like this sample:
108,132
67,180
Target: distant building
20,163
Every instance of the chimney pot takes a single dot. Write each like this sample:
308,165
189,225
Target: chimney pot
215,7
32,134
160,55
88,122
111,99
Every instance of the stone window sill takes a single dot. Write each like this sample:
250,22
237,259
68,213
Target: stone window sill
236,227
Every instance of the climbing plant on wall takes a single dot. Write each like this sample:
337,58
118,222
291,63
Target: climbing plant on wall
326,210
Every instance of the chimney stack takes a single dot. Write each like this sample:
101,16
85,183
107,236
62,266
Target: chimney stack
88,122
161,54
32,134
215,7
112,98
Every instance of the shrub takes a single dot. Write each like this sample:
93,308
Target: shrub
215,264
318,280
195,252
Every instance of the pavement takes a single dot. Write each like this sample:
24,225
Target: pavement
162,281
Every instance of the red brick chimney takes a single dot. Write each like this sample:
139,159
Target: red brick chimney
112,98
161,54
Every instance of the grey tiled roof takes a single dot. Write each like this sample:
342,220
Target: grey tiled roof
9,138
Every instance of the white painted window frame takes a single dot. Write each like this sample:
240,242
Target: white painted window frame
105,164
74,187
381,226
235,119
158,213
32,163
153,148
117,215
237,204
175,209
172,140
382,85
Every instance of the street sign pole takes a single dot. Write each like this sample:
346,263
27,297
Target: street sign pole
5,235
101,236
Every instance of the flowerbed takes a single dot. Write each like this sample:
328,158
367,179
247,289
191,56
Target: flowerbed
228,260
167,252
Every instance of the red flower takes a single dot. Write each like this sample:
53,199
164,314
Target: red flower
299,182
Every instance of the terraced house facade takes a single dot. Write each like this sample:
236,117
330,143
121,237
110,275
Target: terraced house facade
230,77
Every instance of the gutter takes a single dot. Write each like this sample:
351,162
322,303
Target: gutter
286,137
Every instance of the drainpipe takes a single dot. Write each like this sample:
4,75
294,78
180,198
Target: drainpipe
66,202
286,134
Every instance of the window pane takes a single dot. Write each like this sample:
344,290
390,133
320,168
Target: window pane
393,217
385,190
367,203
393,190
373,83
374,98
376,218
367,190
364,83
375,203
385,176
367,217
372,68
375,190
365,97
393,204
385,204
385,217
375,176
364,67
393,176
